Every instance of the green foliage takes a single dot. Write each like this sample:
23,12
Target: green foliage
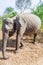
10,15
0,23
42,26
9,10
39,12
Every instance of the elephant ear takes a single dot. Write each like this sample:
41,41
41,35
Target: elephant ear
21,20
18,25
18,21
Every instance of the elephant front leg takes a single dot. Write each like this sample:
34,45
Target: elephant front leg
18,39
19,36
21,44
4,43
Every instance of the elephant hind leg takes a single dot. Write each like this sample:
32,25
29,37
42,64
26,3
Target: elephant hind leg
34,37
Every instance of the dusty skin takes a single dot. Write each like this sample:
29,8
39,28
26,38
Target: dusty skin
30,54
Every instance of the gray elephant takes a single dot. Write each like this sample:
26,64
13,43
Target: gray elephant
21,24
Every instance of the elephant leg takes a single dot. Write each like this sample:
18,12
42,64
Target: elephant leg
22,33
19,36
18,39
4,43
21,45
34,37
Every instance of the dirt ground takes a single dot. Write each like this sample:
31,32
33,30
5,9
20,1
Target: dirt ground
30,54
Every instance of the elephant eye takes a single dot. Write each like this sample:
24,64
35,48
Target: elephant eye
6,22
10,23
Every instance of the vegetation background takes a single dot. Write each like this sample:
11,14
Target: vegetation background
22,5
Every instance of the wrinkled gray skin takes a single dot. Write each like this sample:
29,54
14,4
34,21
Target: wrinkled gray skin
20,24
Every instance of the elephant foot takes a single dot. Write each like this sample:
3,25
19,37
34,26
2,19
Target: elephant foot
21,46
33,42
5,57
16,51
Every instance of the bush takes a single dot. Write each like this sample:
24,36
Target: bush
0,24
39,12
10,15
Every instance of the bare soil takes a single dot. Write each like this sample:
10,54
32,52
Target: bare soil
30,54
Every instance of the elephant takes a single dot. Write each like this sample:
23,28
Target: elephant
21,24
